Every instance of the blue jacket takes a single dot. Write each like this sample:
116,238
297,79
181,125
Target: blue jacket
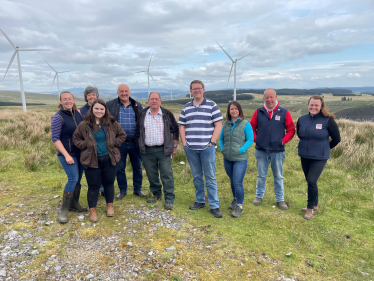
84,110
314,133
270,132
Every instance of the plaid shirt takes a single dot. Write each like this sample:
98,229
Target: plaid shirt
126,118
154,128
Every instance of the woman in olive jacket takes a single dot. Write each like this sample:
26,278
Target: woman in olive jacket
98,137
314,130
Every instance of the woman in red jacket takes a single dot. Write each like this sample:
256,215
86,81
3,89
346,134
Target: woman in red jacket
98,137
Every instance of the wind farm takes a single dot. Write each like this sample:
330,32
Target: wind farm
56,76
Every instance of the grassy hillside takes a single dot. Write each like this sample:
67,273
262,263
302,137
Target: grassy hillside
337,244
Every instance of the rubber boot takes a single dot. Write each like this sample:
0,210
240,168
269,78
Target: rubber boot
93,216
63,212
109,210
75,206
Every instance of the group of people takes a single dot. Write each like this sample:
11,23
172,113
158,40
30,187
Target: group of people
98,137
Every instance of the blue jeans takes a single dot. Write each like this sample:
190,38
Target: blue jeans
73,171
136,163
276,161
236,172
204,161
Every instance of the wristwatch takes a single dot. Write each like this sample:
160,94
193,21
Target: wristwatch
213,143
175,145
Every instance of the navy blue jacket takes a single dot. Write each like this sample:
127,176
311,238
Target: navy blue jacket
69,124
270,132
314,134
84,110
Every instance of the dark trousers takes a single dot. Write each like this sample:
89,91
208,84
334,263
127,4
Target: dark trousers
312,171
103,175
155,160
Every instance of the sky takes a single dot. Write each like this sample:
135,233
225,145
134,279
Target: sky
292,44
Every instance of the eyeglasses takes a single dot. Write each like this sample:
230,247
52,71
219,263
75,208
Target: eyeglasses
196,89
65,100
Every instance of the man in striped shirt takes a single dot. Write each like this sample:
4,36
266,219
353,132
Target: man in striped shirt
200,125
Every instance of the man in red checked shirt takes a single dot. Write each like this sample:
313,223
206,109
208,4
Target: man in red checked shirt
272,127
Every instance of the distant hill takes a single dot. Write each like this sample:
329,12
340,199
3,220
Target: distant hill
356,89
358,112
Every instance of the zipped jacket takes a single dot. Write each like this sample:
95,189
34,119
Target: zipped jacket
84,139
170,128
114,106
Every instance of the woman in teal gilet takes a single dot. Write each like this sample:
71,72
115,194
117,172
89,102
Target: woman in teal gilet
235,139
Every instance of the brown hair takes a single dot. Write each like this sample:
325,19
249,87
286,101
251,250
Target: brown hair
75,108
324,109
106,119
228,115
196,82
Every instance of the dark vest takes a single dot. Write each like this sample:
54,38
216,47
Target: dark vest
270,132
314,137
69,124
234,141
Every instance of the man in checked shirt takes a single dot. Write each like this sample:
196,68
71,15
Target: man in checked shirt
157,136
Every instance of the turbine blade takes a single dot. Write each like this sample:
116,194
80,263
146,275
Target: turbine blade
50,66
65,71
150,62
244,56
10,63
10,41
141,71
152,77
54,79
226,52
35,49
169,87
230,73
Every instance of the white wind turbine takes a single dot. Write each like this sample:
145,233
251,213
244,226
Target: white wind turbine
148,74
57,72
188,88
233,64
16,52
171,92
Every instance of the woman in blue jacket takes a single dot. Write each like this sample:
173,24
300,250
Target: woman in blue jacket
235,139
314,130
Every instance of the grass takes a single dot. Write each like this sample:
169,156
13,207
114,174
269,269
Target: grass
336,244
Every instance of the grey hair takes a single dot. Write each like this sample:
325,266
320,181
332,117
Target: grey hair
154,93
89,90
275,93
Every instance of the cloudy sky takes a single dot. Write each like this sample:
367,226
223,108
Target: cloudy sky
293,44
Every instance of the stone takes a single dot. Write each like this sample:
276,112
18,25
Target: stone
20,205
170,249
289,254
150,253
34,252
56,196
89,276
9,204
2,273
129,244
81,218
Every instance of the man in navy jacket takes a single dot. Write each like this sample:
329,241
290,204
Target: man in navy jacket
272,127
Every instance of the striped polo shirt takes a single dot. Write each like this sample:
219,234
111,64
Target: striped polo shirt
199,122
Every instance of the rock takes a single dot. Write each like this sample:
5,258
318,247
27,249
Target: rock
172,248
289,254
129,244
182,163
34,252
150,253
58,268
9,204
56,196
20,205
2,273
89,276
83,224
14,245
47,223
81,218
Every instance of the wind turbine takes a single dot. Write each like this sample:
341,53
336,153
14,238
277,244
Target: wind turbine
233,64
16,52
57,72
188,88
149,74
171,92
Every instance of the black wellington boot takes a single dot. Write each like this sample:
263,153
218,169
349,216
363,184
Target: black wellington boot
75,206
63,212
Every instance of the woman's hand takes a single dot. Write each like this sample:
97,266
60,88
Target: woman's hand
69,159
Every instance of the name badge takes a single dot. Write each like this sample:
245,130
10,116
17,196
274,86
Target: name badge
319,126
277,117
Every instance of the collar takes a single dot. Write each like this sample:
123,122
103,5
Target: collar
275,107
203,102
235,121
158,112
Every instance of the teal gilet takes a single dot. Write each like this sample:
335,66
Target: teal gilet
234,141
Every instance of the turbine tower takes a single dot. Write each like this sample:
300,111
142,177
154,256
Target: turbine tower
149,74
57,72
16,52
171,92
233,65
188,88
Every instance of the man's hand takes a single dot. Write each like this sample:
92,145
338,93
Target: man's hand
174,152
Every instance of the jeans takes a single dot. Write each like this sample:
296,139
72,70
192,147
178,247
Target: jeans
312,170
73,171
236,172
104,175
136,163
155,160
204,161
262,162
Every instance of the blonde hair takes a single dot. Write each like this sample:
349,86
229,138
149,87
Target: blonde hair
60,105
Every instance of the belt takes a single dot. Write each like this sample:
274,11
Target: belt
155,145
129,140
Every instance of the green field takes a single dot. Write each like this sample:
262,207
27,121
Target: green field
337,244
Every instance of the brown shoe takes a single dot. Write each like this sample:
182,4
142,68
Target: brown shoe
109,210
315,208
93,216
309,214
